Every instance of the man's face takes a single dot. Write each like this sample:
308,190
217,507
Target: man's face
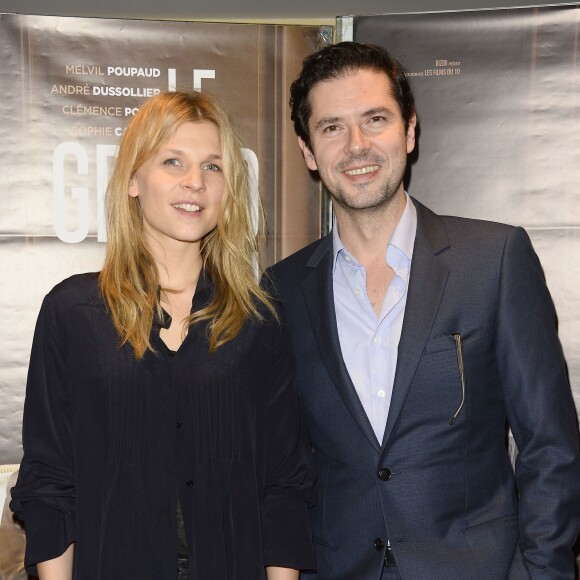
359,142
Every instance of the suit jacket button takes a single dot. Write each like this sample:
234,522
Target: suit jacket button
384,474
189,483
379,544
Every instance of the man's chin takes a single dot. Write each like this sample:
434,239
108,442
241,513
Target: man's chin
367,202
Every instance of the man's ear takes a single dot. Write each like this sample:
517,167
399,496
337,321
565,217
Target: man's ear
133,190
308,156
411,133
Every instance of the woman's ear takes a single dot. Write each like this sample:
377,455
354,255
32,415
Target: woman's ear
133,190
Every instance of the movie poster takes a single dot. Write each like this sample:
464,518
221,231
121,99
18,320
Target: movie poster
68,86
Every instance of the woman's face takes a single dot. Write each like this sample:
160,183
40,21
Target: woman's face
180,188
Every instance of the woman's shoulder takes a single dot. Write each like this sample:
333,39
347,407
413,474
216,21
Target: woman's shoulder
79,288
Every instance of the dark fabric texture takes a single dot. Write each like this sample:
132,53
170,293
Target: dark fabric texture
109,442
444,494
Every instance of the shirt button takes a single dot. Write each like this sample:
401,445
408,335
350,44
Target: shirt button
347,257
178,424
377,340
378,544
384,474
189,483
357,292
381,394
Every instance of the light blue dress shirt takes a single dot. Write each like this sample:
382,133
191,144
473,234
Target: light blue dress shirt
369,343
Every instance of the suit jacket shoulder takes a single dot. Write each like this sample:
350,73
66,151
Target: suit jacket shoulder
445,230
288,270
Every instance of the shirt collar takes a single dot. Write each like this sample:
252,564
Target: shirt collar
337,245
403,237
201,297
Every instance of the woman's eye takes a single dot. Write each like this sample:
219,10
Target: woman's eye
213,167
174,162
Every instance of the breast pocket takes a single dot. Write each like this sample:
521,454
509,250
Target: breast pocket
450,357
446,339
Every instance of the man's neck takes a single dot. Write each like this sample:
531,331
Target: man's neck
366,234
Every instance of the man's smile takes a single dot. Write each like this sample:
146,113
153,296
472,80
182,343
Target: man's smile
362,170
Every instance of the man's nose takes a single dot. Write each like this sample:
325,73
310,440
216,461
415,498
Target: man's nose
357,143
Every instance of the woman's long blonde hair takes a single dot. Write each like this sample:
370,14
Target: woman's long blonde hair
129,280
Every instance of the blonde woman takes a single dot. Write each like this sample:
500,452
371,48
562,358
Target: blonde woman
161,433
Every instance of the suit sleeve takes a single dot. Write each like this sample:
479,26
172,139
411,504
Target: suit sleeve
289,483
540,412
44,494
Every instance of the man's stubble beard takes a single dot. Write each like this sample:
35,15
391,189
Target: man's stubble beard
386,192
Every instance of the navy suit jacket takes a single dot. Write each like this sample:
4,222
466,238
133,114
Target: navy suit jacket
446,495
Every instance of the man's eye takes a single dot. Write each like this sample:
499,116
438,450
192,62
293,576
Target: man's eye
331,129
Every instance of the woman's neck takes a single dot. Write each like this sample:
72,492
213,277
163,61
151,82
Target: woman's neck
179,269
178,265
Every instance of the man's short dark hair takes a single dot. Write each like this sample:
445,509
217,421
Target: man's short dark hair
338,60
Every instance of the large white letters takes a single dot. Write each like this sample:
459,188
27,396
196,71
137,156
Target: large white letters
80,195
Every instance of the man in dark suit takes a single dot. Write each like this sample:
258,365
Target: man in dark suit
418,338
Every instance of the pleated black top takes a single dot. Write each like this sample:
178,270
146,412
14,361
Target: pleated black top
111,442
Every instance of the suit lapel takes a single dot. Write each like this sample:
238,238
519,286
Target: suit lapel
319,297
429,271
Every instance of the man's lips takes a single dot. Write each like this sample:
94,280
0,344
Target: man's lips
362,170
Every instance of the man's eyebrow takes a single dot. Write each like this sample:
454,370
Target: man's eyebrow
378,111
325,121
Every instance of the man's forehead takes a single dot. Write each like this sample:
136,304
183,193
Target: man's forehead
352,75
360,93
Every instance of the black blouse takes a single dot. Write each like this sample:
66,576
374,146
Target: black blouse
108,440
